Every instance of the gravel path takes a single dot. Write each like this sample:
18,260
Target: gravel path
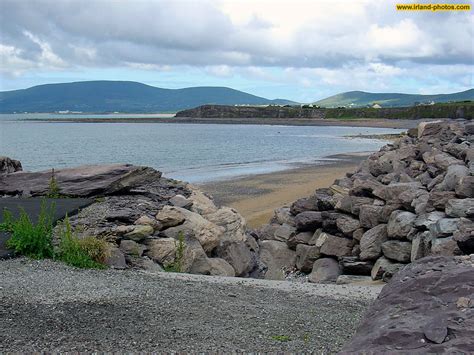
47,306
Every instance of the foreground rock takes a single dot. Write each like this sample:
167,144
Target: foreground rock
437,319
149,221
413,198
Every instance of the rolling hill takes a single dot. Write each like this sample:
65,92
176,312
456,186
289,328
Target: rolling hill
121,96
361,98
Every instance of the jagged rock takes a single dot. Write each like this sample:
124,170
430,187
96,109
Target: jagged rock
445,246
283,216
170,216
83,181
238,255
8,166
421,246
180,201
400,224
424,221
231,221
284,232
324,199
460,208
397,250
369,215
453,176
306,255
352,204
308,221
347,225
464,236
278,259
352,279
444,227
358,233
432,322
300,238
162,250
334,246
371,242
267,231
353,266
465,186
400,192
384,269
438,199
132,248
139,232
115,258
324,270
212,266
429,128
303,205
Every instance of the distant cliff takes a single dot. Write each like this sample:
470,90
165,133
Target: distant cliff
451,110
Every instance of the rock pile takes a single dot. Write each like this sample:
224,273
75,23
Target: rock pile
151,222
8,166
428,308
411,199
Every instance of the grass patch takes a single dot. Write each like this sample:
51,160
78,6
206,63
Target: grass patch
28,238
282,338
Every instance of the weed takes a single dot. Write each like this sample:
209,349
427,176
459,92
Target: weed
282,338
53,189
96,248
76,253
30,239
177,265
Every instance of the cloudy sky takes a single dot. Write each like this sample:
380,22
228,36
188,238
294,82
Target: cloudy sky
297,49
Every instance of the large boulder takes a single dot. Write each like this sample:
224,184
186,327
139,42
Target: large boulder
278,259
332,245
460,207
238,255
8,166
325,270
371,242
353,266
308,221
453,177
397,250
438,319
400,224
170,216
306,255
347,224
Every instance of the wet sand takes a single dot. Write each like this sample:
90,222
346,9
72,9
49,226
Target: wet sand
257,196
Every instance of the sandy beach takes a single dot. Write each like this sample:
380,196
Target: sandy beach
257,196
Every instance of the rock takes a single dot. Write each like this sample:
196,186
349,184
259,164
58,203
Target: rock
358,233
162,250
284,232
202,204
424,221
324,270
396,250
232,223
132,248
145,220
444,227
180,201
115,258
429,128
400,192
300,238
170,216
431,322
453,177
465,186
308,221
399,224
306,255
283,216
278,259
324,199
83,181
421,246
352,279
139,232
384,269
371,242
267,231
352,204
347,225
212,267
460,207
332,245
464,236
238,255
445,246
303,205
353,266
8,166
438,199
369,215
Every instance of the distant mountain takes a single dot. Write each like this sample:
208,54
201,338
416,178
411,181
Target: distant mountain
361,98
121,96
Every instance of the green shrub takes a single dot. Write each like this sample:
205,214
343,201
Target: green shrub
28,238
177,265
74,252
53,189
96,248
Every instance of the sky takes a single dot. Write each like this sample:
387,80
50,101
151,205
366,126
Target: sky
303,50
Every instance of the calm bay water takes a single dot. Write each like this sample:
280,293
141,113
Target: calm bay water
191,152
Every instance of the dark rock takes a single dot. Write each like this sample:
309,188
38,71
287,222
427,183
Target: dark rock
115,258
238,255
358,233
460,207
464,236
400,224
324,199
444,227
397,250
303,205
347,225
308,221
300,238
353,266
8,166
429,128
283,216
465,186
445,246
434,286
438,199
277,258
325,270
384,269
352,204
453,177
284,232
332,245
421,246
267,232
306,255
371,242
424,221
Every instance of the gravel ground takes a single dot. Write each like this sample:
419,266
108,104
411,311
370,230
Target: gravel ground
47,306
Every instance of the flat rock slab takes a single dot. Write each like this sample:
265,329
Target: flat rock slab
32,207
428,307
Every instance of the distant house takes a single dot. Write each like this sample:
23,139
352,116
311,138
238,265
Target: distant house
376,106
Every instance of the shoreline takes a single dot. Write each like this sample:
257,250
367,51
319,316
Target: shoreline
255,197
372,122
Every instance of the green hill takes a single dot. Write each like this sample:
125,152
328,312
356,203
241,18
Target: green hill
361,98
121,96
